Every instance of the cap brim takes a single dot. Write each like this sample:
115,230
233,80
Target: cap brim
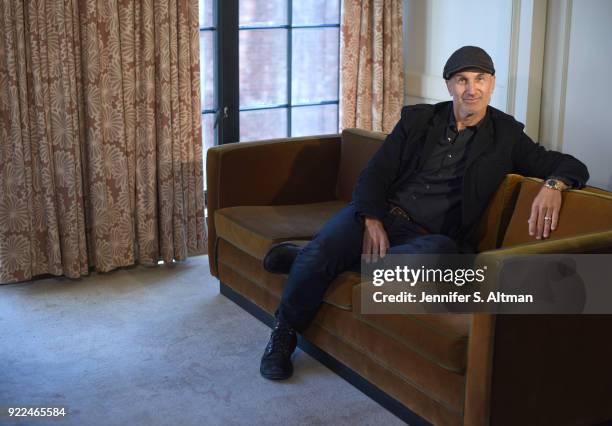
450,73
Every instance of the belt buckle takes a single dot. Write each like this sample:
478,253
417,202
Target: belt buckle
398,211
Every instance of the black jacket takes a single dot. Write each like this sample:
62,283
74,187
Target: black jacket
499,147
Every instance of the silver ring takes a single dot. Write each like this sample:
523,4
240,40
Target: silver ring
547,218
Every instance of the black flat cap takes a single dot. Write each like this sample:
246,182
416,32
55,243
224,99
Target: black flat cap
468,57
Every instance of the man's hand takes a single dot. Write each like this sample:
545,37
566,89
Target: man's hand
545,213
375,240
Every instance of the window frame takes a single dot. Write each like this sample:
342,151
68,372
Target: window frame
214,29
227,71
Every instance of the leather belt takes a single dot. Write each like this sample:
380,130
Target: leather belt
398,211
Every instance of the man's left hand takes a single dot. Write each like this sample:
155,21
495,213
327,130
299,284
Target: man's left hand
545,212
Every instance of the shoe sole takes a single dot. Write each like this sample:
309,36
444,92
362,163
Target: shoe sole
275,376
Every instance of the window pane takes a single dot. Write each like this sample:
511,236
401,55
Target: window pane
208,137
263,12
315,65
206,13
207,70
314,120
313,12
263,124
263,67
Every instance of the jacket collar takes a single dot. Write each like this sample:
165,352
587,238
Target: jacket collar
437,127
483,139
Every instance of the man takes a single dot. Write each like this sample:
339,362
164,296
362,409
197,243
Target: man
423,191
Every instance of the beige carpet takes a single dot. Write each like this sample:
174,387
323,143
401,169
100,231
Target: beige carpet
156,346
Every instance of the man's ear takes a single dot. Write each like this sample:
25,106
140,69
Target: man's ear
448,87
493,83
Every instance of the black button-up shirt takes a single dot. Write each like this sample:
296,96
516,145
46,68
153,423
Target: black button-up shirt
432,196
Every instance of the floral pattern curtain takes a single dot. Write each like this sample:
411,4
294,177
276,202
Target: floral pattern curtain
100,135
372,69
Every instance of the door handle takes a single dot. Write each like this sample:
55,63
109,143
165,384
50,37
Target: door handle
221,116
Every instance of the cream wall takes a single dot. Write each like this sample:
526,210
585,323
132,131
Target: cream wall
433,29
587,111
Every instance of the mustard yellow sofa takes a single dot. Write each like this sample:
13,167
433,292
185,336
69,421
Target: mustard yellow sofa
444,369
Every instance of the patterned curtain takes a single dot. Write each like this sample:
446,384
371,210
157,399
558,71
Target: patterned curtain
371,70
100,133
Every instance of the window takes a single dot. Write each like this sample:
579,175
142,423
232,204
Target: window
208,35
288,68
269,68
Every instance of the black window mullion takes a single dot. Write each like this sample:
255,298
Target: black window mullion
279,106
284,27
228,72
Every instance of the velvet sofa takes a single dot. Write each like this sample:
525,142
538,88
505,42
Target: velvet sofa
444,369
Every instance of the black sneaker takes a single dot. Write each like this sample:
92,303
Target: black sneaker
280,257
276,360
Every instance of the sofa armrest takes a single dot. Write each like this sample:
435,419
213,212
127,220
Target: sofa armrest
274,172
596,242
527,366
500,263
479,370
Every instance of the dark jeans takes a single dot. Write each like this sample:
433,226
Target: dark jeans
337,248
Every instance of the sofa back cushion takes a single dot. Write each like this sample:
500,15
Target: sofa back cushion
582,212
357,147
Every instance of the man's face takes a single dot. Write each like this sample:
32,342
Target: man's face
471,91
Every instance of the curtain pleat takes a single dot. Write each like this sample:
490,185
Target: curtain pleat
100,132
371,70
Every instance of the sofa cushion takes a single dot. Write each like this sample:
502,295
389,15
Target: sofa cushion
233,260
340,291
582,212
356,149
255,228
441,338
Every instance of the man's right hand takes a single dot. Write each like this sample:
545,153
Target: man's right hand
375,240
